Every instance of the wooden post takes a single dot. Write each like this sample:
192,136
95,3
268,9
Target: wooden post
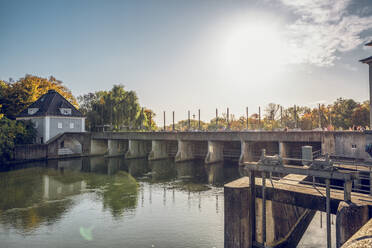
246,110
238,232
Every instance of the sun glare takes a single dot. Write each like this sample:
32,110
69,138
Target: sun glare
254,50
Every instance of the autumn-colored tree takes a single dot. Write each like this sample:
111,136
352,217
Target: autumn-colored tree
16,96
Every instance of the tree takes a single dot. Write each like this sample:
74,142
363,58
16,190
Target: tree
342,112
14,133
116,108
16,96
360,115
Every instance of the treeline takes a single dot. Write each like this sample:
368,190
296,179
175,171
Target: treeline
115,110
15,96
343,114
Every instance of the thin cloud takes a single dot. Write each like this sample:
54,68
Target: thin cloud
323,28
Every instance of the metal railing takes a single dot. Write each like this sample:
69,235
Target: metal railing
322,170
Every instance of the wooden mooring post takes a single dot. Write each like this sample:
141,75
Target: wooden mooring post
239,214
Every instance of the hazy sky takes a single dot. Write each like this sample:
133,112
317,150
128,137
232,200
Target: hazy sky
180,55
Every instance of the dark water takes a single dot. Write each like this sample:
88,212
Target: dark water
111,202
101,202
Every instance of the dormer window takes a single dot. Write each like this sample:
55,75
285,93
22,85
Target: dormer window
32,111
65,111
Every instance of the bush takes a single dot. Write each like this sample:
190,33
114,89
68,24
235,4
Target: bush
14,133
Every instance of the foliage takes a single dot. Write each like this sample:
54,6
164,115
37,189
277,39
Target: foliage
16,96
341,115
116,108
14,133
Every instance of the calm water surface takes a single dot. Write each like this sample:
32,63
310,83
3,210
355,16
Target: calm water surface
101,202
111,202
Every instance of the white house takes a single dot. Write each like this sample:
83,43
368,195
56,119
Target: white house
53,114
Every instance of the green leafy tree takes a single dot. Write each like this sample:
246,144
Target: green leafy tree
116,108
14,133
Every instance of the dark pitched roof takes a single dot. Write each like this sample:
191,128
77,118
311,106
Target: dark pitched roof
49,104
366,60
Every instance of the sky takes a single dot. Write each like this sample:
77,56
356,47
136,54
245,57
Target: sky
194,54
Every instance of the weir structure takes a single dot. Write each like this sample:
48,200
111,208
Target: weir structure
213,147
274,203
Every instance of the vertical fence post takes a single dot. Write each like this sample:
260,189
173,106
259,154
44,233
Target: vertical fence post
328,209
199,118
150,126
173,122
164,119
252,209
259,117
188,118
320,117
263,209
227,118
246,110
281,116
295,115
216,118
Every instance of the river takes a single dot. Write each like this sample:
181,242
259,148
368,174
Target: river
112,202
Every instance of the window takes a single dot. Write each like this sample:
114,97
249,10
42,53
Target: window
65,111
71,125
353,146
32,111
59,124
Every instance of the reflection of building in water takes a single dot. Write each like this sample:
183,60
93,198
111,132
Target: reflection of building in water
55,189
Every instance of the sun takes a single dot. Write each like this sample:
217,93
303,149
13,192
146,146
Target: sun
255,51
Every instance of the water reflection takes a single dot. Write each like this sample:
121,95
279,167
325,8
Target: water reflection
80,192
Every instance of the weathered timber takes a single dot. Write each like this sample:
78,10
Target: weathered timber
238,232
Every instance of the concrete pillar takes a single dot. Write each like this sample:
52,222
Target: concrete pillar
215,152
349,219
158,150
98,147
246,154
283,151
238,233
328,143
116,147
307,154
184,152
136,149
